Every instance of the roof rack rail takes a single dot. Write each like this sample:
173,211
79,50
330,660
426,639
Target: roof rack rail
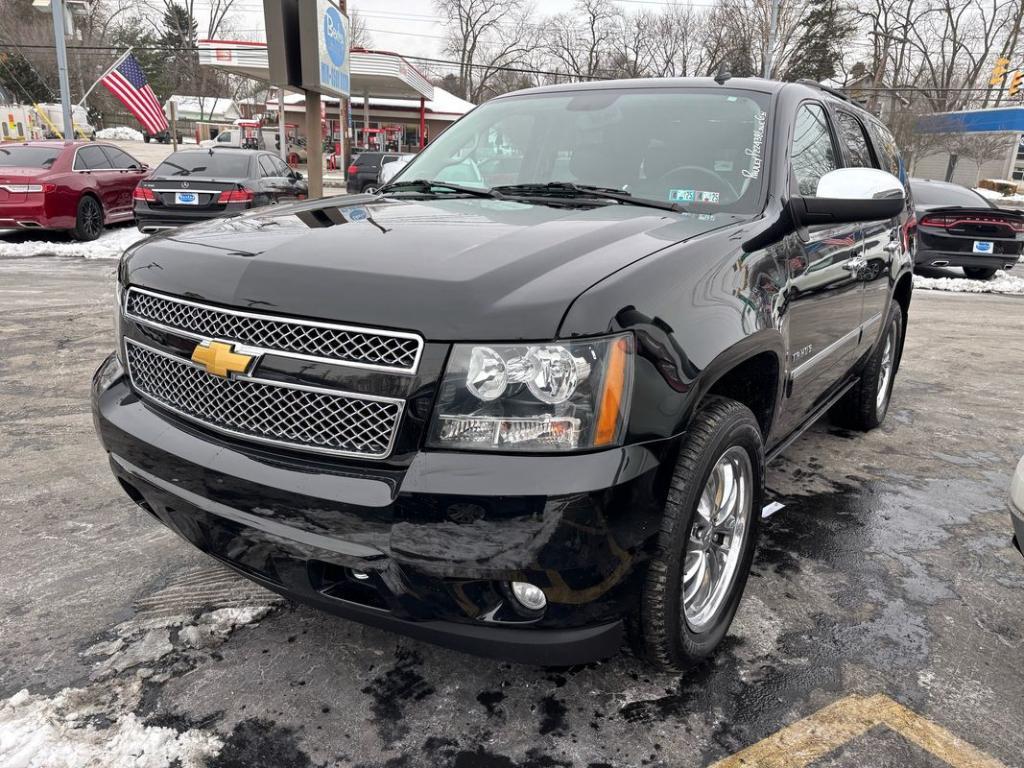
831,91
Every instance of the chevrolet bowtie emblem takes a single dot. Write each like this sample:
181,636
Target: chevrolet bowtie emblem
220,359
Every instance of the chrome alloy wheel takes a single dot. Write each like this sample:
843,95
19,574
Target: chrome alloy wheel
885,372
715,545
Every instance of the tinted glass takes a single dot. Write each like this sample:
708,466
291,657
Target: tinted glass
936,195
280,166
266,167
119,159
368,159
698,147
91,158
852,135
223,164
813,154
888,152
28,157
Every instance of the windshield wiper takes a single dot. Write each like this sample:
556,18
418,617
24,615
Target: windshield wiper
568,189
427,186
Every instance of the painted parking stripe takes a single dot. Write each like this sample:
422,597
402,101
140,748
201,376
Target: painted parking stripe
829,728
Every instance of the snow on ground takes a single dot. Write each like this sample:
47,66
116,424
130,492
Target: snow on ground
16,244
1003,282
97,725
120,132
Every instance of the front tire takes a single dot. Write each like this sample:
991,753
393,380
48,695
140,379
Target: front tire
89,219
864,407
979,273
708,534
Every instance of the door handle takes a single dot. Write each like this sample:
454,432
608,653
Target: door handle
892,246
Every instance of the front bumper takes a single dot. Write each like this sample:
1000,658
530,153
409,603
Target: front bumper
425,550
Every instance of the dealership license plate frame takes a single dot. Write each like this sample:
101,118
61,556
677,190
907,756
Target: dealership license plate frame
988,248
186,198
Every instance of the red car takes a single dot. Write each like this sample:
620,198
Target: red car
78,186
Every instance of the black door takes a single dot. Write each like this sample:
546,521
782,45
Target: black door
824,295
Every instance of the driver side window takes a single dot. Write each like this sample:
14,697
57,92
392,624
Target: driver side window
813,152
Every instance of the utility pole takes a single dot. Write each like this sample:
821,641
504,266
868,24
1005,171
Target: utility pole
772,23
57,7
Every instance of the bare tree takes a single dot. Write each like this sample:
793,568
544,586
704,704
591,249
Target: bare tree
359,35
479,33
579,42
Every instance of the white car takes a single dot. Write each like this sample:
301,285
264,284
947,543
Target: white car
390,169
1017,505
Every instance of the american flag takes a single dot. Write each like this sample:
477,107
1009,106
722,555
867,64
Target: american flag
128,83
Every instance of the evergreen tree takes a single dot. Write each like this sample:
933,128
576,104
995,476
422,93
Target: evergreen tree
827,30
21,80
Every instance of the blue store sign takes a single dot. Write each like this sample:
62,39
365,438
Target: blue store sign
333,49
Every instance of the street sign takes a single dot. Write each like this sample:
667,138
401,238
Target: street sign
324,38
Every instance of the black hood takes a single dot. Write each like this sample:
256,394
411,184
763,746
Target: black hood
450,269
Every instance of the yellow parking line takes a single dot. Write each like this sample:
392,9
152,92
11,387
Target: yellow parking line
829,728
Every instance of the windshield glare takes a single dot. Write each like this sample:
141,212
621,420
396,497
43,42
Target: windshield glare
700,148
28,157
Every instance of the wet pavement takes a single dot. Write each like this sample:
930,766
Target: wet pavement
883,625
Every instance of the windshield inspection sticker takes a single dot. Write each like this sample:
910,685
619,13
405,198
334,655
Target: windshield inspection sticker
756,147
709,197
682,195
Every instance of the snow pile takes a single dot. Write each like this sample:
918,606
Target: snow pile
997,198
120,133
1003,282
110,245
55,732
96,725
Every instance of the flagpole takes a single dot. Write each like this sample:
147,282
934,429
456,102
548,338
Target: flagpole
110,69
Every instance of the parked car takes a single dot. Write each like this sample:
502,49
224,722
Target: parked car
364,170
957,227
197,184
517,419
1017,506
80,186
390,168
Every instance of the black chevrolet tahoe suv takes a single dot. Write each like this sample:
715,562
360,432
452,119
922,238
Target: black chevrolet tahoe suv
521,401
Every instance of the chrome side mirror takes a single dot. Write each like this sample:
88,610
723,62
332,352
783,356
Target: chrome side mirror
848,195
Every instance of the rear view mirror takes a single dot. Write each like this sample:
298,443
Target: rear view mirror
848,195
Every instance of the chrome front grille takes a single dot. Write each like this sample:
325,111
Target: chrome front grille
308,340
306,418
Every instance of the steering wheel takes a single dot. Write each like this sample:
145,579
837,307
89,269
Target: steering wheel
707,172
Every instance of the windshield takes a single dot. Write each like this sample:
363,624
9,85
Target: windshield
935,196
28,157
701,148
224,165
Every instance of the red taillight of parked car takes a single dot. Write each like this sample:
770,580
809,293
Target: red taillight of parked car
242,195
353,170
145,194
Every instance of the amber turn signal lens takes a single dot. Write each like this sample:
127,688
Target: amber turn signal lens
613,394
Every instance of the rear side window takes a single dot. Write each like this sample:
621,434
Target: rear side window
888,152
851,133
227,164
368,159
28,157
266,167
119,159
813,153
91,159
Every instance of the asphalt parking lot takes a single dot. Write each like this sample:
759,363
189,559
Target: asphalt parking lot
884,624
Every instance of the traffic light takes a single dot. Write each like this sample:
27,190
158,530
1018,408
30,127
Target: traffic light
1000,70
1016,83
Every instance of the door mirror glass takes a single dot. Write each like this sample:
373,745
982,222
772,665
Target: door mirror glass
848,195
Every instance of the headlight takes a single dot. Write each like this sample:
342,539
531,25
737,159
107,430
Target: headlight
559,396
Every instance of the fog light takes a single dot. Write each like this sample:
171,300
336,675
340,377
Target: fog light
528,595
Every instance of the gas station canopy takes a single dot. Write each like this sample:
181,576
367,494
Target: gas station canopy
374,73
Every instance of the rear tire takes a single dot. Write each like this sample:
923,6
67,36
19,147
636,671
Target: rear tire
88,220
864,407
979,273
695,580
